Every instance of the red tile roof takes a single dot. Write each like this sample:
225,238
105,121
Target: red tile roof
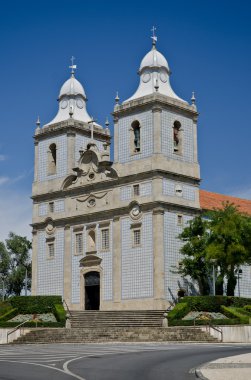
209,201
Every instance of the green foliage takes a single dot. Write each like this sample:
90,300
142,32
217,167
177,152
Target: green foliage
4,307
179,311
9,314
60,313
35,304
200,322
195,237
223,239
247,308
233,312
14,262
213,304
229,242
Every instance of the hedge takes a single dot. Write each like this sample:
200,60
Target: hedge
232,312
179,311
35,304
60,313
4,307
203,322
9,314
214,303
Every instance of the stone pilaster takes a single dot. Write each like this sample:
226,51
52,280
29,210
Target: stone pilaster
116,141
116,271
70,150
67,264
195,144
36,162
34,262
158,254
156,129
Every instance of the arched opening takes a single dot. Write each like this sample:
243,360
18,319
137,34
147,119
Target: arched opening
136,132
92,290
52,159
176,136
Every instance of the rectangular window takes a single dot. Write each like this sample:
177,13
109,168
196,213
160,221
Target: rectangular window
136,237
51,250
79,244
179,220
136,190
105,239
51,206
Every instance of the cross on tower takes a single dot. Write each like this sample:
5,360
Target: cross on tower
91,122
154,37
72,67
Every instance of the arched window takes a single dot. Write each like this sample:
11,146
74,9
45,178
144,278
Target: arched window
136,136
177,137
52,159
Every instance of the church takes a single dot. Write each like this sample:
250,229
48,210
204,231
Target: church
105,232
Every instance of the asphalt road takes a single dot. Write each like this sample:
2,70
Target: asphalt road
109,361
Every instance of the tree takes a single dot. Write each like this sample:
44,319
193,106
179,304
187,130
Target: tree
15,263
229,243
224,238
194,264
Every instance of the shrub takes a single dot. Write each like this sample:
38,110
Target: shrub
200,322
35,304
179,311
247,308
60,313
214,303
8,315
4,307
233,312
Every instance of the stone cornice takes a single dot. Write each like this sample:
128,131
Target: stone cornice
106,185
118,212
156,99
71,126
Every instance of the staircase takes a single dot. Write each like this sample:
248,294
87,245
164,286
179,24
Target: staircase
114,319
116,326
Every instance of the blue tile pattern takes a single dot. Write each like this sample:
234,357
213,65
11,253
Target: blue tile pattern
137,263
167,120
188,191
146,136
50,272
43,147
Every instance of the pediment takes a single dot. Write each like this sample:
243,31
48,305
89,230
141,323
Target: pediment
93,166
90,260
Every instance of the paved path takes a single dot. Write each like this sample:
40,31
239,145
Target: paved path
149,361
230,368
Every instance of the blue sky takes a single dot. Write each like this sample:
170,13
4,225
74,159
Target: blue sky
206,43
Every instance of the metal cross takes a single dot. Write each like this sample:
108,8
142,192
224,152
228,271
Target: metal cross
72,67
153,37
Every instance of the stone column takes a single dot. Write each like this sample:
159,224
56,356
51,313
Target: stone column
36,162
70,150
157,129
67,264
34,262
116,271
158,254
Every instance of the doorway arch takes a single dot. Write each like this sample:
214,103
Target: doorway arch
92,290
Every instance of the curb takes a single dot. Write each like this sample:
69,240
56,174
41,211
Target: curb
199,374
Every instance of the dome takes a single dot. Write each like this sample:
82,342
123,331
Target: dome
72,87
154,59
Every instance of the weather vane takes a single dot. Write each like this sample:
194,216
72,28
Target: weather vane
154,37
72,67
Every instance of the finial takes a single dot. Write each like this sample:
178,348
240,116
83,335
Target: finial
156,85
193,99
72,67
153,37
107,123
117,98
38,122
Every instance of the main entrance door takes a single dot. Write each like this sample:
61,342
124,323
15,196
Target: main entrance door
92,291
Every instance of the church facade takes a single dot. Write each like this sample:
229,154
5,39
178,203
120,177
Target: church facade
105,233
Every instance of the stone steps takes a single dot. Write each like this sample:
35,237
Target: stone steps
131,318
96,335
